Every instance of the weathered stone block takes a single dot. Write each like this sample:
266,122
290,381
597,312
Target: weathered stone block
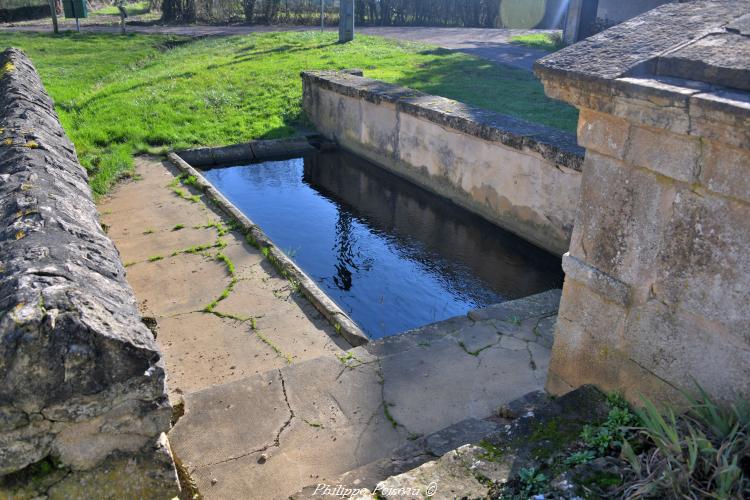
605,286
680,347
723,116
621,214
592,346
672,155
645,113
725,170
704,264
603,133
380,128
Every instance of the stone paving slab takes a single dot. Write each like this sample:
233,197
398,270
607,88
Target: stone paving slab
408,457
358,408
177,285
211,352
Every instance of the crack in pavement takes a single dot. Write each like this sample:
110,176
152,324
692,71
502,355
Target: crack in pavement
277,439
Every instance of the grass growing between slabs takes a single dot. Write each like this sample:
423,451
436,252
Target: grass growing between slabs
121,95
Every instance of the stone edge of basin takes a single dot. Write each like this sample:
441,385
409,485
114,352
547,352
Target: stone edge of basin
341,322
253,151
554,145
81,377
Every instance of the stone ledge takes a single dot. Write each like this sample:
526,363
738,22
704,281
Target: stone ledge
631,49
81,379
553,145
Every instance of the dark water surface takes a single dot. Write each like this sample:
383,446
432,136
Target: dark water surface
392,255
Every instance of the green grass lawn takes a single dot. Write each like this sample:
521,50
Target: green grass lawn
120,95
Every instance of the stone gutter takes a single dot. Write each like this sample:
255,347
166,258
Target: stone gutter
258,151
82,384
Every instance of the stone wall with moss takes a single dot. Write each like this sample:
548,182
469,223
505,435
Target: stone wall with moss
657,287
83,407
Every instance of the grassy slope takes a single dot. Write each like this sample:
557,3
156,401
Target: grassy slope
120,95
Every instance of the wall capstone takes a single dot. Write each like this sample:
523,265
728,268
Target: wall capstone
81,380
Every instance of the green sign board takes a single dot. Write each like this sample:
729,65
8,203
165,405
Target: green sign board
75,8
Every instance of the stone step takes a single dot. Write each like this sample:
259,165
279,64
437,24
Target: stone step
279,431
475,470
531,318
405,458
425,449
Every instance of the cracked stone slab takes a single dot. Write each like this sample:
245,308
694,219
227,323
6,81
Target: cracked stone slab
432,388
202,350
421,337
176,285
409,456
338,424
230,421
140,247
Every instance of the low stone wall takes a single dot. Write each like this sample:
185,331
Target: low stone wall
521,176
657,287
83,407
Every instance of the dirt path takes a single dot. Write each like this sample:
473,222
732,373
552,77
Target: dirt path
490,44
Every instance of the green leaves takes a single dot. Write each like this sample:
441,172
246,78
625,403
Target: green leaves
699,453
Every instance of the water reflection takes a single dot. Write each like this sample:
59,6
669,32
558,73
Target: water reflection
392,255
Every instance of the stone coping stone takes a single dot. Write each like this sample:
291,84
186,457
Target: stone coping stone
626,48
253,151
718,58
74,353
554,145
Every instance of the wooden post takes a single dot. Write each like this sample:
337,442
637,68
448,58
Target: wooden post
53,10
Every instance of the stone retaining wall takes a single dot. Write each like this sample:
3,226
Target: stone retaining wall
657,287
522,176
83,407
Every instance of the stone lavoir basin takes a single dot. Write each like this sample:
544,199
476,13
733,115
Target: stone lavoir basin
392,255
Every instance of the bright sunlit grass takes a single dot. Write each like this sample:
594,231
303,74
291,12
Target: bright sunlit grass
121,95
545,41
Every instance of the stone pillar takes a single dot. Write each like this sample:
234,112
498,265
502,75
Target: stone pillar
346,21
579,20
657,288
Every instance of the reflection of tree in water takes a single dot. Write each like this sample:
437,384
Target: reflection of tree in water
344,250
